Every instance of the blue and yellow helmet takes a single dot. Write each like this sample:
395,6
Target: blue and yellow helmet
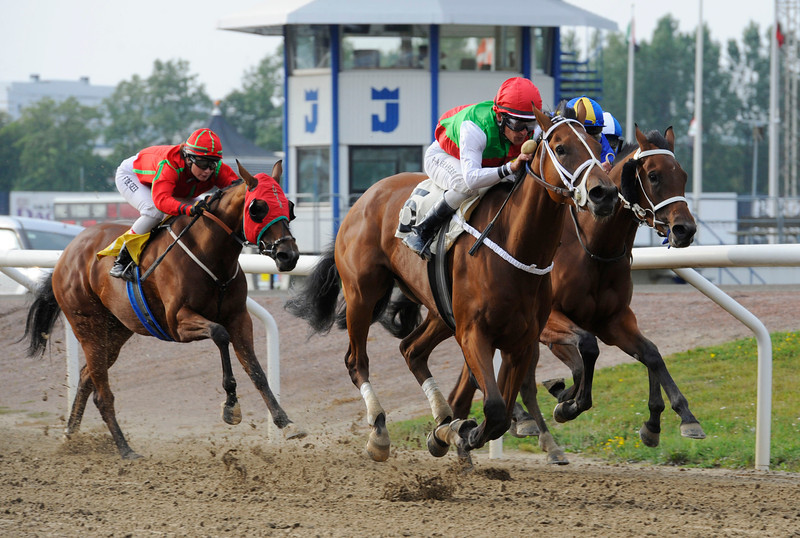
594,112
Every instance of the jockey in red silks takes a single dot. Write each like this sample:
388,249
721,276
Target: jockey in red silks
476,146
163,180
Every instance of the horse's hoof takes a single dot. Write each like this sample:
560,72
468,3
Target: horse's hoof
524,428
557,457
465,465
436,447
378,445
649,438
293,431
129,455
231,414
693,430
560,414
554,386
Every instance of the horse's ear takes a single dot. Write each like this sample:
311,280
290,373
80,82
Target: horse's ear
251,182
580,112
669,135
542,119
640,137
292,216
277,171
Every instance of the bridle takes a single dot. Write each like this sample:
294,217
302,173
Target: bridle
640,213
577,193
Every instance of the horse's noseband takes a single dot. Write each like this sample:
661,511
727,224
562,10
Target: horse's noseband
271,249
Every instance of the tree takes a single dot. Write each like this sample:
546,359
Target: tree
55,144
256,111
9,155
162,109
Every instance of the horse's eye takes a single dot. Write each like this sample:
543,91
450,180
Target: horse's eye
560,151
653,177
258,210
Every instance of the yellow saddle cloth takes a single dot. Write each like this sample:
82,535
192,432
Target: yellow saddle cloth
134,242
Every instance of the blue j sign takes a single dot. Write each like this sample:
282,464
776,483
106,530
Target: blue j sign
312,96
392,100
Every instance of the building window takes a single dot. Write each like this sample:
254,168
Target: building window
309,47
542,50
313,174
384,46
480,48
368,164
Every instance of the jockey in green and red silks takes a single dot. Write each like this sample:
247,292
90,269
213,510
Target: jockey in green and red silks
475,146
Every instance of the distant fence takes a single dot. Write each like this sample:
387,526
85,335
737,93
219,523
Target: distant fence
681,261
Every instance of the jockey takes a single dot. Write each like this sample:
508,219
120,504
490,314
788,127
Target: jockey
594,124
475,146
162,180
613,132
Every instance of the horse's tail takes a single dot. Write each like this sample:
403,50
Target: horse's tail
401,316
42,316
317,300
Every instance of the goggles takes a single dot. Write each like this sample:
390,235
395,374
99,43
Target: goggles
202,163
594,130
518,124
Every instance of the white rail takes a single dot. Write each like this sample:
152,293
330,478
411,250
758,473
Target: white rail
682,261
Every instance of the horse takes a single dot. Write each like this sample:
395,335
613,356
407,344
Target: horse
194,293
490,308
592,290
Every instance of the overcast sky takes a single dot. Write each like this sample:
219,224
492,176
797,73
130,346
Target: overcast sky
109,41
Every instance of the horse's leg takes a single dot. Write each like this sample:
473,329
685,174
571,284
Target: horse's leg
85,388
555,454
416,349
362,290
241,336
460,398
625,334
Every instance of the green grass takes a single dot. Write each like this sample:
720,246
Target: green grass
720,384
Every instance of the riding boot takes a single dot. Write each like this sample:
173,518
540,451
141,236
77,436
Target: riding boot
421,236
122,264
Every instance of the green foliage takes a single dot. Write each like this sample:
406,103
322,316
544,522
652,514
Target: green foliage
164,108
720,384
256,110
54,144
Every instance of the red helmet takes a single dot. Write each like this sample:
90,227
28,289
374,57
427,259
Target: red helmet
203,143
517,97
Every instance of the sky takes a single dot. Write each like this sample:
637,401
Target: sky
110,41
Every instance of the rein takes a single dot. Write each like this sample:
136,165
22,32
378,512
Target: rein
585,248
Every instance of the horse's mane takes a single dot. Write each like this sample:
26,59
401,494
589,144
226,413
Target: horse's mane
654,137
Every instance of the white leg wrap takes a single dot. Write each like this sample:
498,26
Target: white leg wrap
439,407
373,405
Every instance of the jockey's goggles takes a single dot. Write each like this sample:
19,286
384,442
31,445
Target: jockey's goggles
202,163
518,124
594,130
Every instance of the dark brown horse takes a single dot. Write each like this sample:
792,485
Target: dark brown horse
196,292
592,289
496,304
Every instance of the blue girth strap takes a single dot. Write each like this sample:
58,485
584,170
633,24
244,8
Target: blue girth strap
142,311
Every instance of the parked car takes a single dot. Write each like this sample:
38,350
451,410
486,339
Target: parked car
23,233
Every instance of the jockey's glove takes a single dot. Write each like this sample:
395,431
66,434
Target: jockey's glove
198,208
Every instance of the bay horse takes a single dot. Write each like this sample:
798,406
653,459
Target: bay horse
592,290
195,292
496,304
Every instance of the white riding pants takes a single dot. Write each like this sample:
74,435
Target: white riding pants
139,196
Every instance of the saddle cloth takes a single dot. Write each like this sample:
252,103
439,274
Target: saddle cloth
425,195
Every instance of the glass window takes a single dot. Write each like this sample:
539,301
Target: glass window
542,51
48,240
309,47
384,46
368,164
485,48
313,178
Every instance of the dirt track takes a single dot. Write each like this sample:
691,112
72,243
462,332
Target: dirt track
200,476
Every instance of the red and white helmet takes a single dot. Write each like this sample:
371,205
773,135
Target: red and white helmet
518,97
203,143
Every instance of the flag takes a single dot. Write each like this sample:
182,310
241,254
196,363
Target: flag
779,35
631,35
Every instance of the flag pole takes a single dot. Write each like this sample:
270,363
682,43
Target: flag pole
697,169
773,111
629,122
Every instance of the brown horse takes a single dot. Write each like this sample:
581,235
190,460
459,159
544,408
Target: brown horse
592,289
496,304
195,292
